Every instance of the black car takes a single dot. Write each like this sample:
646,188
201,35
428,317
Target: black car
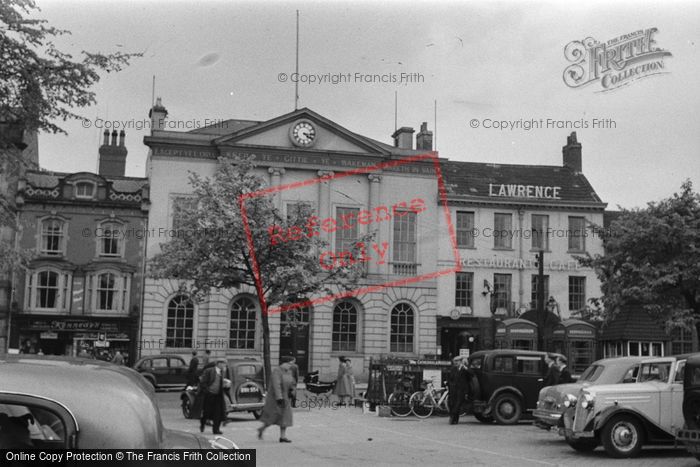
509,383
164,371
246,394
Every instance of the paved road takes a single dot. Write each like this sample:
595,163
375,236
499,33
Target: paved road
346,436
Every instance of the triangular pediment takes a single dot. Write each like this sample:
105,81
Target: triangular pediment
304,129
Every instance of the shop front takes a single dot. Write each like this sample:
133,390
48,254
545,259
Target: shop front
463,335
517,334
575,339
54,335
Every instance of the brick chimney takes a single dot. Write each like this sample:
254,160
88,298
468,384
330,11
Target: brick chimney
403,138
157,115
424,138
113,155
572,153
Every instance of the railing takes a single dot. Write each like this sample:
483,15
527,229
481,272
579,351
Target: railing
404,269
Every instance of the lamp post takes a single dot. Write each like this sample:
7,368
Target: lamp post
540,301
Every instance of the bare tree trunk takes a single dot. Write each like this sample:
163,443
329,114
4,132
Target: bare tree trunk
266,346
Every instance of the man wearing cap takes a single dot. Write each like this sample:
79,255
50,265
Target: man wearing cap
458,385
213,385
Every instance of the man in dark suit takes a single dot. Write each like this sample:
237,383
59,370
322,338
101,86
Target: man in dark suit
552,377
193,369
212,382
564,374
458,386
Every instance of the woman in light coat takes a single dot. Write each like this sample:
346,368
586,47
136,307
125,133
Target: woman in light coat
345,385
278,403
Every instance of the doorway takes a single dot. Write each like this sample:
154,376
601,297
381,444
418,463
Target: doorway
294,336
455,339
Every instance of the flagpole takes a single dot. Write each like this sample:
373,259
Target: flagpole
296,81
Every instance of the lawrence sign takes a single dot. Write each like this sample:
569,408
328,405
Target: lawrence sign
525,191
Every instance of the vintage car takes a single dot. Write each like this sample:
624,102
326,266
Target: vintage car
690,435
625,417
164,372
247,391
509,381
71,403
554,400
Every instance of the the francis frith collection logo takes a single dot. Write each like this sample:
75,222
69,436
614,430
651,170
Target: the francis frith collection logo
618,62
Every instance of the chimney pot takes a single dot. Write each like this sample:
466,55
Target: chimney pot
571,153
122,137
403,137
106,138
424,139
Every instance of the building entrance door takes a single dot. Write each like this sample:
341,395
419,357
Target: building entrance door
455,339
294,336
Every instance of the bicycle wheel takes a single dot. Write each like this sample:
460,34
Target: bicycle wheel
398,402
421,404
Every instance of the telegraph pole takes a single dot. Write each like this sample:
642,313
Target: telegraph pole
540,301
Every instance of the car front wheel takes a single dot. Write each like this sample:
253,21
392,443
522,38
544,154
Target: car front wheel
186,407
623,436
507,409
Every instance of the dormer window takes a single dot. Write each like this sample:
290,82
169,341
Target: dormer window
84,190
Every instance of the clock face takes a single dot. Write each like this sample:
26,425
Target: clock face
303,134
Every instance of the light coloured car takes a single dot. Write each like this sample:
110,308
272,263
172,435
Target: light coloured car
554,400
625,417
69,403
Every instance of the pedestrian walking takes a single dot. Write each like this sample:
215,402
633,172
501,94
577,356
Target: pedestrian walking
553,374
278,404
564,374
193,370
213,386
459,387
345,384
295,375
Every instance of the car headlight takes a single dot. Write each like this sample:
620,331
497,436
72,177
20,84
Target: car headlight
587,402
570,400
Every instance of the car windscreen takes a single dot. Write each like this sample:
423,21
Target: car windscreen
591,374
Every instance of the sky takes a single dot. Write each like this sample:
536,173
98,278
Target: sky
473,65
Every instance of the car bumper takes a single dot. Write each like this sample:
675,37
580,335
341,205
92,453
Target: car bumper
546,418
245,407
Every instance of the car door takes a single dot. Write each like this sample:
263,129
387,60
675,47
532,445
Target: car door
160,370
658,373
32,422
178,372
528,378
672,414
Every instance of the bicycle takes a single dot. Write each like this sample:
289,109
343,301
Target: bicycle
398,400
423,403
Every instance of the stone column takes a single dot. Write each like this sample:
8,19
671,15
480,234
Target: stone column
374,200
324,201
276,180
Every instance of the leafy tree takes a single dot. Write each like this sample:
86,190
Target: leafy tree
652,259
40,86
212,252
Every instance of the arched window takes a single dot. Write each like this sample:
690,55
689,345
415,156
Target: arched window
108,291
52,237
180,325
242,324
47,289
344,327
402,328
